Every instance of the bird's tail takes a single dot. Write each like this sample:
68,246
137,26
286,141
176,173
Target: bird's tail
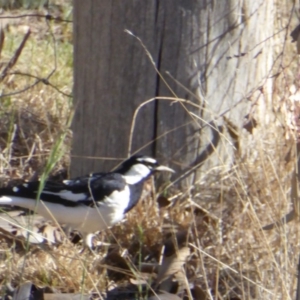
5,199
18,201
17,195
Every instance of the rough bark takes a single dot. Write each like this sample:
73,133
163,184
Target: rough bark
214,54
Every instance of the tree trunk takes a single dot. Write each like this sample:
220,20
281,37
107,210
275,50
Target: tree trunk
214,55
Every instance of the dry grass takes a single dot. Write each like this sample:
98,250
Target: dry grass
32,120
221,220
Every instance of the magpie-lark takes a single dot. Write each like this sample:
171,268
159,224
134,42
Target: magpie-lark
89,203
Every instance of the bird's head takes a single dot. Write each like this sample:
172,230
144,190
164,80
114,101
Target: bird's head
139,167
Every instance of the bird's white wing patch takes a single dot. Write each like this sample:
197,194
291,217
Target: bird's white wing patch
68,195
67,181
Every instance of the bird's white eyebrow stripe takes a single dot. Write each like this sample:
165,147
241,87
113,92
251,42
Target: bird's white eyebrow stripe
147,159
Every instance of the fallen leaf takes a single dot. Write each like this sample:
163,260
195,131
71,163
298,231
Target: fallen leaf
175,241
198,293
172,264
164,296
163,201
28,291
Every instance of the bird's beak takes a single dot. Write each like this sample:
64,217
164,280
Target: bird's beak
163,168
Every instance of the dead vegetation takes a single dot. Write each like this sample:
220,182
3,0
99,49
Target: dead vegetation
203,243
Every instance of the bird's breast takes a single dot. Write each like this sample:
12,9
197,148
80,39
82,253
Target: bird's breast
115,205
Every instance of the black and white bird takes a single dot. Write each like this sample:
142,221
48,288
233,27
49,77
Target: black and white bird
90,203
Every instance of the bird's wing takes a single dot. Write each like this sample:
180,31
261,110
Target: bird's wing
83,179
82,191
103,186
